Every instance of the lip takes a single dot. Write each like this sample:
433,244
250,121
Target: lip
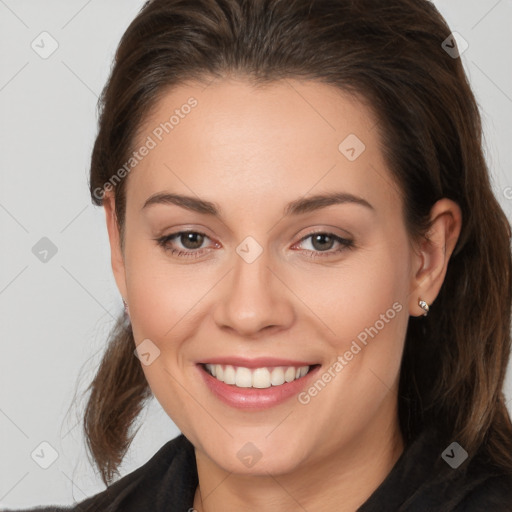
258,362
254,398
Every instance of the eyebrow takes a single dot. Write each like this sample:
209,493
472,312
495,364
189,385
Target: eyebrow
297,207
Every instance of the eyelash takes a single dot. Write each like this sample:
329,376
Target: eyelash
164,243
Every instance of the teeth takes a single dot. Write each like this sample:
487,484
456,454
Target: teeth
243,378
229,375
258,377
289,374
277,377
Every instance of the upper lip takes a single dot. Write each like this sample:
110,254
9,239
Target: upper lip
257,362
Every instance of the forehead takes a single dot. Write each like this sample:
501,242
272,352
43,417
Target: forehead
231,139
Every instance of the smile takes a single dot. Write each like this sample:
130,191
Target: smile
259,378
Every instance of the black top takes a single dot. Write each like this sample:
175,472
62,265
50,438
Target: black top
420,481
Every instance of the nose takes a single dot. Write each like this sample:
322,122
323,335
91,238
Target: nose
253,301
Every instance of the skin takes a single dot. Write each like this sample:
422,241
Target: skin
252,151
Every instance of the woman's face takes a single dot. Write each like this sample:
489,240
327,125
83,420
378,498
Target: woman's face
297,257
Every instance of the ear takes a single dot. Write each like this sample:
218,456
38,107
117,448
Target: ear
433,254
116,253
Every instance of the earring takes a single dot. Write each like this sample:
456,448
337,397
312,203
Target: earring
125,306
424,306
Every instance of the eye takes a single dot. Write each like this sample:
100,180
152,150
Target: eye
190,242
322,244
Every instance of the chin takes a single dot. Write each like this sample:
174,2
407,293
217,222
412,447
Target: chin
257,458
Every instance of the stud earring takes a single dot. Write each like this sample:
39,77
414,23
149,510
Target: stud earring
424,306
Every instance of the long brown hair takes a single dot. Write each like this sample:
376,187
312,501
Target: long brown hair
389,53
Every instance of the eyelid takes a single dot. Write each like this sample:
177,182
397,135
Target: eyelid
325,229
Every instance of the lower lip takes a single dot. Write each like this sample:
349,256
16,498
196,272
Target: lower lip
254,398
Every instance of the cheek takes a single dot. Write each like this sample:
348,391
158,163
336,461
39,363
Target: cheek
164,298
364,315
376,315
354,295
363,307
161,291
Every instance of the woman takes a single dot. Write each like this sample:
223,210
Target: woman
316,274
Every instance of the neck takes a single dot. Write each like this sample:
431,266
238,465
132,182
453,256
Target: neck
341,482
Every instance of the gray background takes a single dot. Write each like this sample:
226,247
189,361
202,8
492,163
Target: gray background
55,316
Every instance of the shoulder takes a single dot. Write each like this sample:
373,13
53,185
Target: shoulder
422,481
486,489
475,485
170,474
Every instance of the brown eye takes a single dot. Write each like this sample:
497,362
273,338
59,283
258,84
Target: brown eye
322,242
324,245
191,240
184,244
